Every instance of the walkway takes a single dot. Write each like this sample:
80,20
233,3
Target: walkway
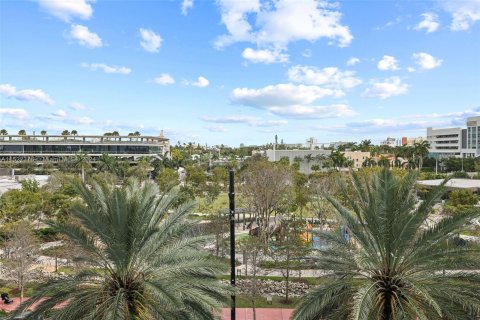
262,314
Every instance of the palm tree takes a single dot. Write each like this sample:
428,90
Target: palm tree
82,160
421,150
393,267
74,132
115,133
43,132
143,261
22,132
65,133
107,163
3,132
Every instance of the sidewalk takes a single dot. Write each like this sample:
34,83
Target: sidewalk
262,314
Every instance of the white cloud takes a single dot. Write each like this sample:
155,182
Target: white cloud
313,112
464,13
330,77
426,61
388,63
411,69
150,40
281,95
390,87
264,56
67,9
16,113
59,114
307,53
250,120
201,82
164,79
353,61
106,68
218,128
77,106
85,37
26,94
186,5
280,22
429,23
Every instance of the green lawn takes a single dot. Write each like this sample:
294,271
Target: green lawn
244,301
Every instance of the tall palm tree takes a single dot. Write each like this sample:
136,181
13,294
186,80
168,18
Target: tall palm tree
393,267
65,133
143,262
421,150
82,160
22,132
3,132
74,132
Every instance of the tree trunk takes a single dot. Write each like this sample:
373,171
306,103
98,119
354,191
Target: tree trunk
254,310
287,284
83,174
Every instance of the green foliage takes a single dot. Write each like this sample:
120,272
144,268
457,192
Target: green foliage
393,267
31,185
16,205
142,262
460,175
455,164
462,197
196,179
167,179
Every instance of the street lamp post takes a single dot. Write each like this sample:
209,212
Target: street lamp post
231,196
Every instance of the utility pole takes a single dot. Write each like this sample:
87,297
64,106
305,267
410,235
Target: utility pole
231,196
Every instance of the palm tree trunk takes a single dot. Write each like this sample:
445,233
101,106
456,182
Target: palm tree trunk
83,173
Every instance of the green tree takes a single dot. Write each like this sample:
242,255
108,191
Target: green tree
82,160
421,150
392,268
196,179
3,132
143,264
459,200
22,132
65,133
167,179
74,132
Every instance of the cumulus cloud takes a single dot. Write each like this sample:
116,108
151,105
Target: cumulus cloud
164,79
67,9
77,106
201,82
275,24
250,120
292,101
429,23
281,95
84,36
464,13
329,77
388,63
83,120
150,40
38,95
186,5
387,88
264,56
353,61
16,113
426,61
106,68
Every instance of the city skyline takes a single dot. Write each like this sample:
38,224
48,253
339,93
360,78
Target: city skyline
231,72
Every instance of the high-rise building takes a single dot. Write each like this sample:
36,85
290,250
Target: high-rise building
445,143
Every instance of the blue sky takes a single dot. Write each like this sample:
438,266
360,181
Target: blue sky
240,71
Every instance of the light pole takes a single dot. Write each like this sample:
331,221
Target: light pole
231,196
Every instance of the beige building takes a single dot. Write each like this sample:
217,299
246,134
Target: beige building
358,157
410,142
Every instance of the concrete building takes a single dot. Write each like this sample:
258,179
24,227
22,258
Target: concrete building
305,158
59,148
410,142
445,143
358,157
471,138
391,142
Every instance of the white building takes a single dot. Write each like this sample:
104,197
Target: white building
391,142
471,138
445,143
305,158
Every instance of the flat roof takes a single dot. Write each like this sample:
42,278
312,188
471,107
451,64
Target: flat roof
453,183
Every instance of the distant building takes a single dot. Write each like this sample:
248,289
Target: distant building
391,142
57,148
445,143
471,138
410,142
305,158
358,157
